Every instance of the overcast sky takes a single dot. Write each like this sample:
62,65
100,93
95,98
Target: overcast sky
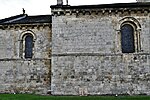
41,7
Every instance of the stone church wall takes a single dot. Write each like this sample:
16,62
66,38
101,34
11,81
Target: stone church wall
87,57
20,75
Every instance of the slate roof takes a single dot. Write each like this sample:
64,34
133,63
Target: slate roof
25,19
115,5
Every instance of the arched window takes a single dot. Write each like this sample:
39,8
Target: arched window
27,45
127,38
28,49
27,40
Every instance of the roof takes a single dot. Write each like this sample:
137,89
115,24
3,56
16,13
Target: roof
115,5
25,19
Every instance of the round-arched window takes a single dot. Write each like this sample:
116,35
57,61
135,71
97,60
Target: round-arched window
127,38
28,39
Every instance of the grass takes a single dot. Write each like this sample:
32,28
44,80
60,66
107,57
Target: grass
38,97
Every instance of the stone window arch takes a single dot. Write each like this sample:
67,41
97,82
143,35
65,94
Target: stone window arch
129,35
27,44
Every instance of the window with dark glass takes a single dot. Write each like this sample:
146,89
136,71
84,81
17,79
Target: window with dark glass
28,46
127,38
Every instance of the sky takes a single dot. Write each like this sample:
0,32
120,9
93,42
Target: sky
42,7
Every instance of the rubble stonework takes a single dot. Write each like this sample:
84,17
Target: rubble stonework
86,51
20,75
76,51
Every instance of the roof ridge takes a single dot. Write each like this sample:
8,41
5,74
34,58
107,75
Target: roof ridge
39,15
16,19
12,18
25,19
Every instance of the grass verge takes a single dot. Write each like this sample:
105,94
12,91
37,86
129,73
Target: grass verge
39,97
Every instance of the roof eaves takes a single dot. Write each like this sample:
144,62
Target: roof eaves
115,5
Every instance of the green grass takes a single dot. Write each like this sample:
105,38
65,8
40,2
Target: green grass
38,97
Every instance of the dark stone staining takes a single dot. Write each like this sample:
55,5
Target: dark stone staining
82,73
72,77
100,78
113,59
88,80
65,77
106,58
108,43
144,59
31,77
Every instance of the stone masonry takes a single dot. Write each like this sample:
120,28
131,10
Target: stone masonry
86,50
77,51
19,75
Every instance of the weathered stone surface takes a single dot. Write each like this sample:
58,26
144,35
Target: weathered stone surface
92,73
87,57
86,53
22,75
